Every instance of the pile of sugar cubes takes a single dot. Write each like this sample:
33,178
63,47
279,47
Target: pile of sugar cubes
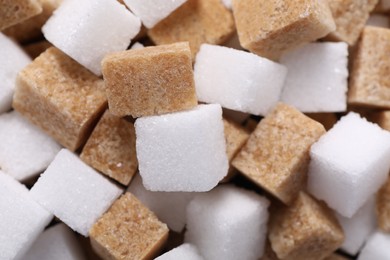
194,129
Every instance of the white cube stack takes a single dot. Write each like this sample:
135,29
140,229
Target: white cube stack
349,164
12,60
74,192
228,223
182,151
88,30
25,150
185,251
237,80
169,207
317,77
377,247
21,218
378,20
57,242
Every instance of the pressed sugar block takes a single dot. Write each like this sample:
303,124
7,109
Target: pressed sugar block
307,229
196,21
12,60
21,219
185,251
349,164
25,150
378,20
317,77
153,11
74,192
183,151
57,242
377,247
16,11
149,81
237,80
88,30
60,96
128,230
111,148
273,27
370,76
228,223
276,154
383,207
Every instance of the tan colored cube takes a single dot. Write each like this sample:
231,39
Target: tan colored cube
16,11
196,21
350,17
370,77
276,154
269,28
326,119
150,81
383,207
61,97
111,148
382,118
35,49
128,230
306,230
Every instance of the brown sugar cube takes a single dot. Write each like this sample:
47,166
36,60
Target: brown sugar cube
35,49
150,81
128,230
269,28
350,17
326,119
111,148
196,21
383,207
16,11
60,96
276,154
370,77
305,230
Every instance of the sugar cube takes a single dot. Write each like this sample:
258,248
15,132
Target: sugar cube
16,11
185,251
377,247
383,207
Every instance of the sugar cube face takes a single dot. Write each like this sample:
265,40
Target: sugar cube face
57,242
74,192
128,230
317,77
377,247
12,60
16,11
383,207
21,218
170,207
271,28
25,150
378,20
349,164
185,251
88,30
237,80
183,151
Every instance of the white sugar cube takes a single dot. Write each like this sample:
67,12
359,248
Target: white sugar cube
12,60
57,242
169,207
317,77
378,20
74,192
358,228
25,150
21,218
185,251
349,164
228,223
182,151
377,247
237,79
153,11
88,30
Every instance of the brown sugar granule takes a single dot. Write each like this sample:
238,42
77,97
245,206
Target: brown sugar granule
383,207
16,11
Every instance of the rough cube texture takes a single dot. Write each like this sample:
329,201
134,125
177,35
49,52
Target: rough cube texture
60,96
149,81
272,27
377,247
88,30
183,151
378,20
74,192
276,154
128,230
111,148
185,251
228,223
16,11
305,230
238,80
25,150
196,21
351,161
383,207
21,218
370,77
317,77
